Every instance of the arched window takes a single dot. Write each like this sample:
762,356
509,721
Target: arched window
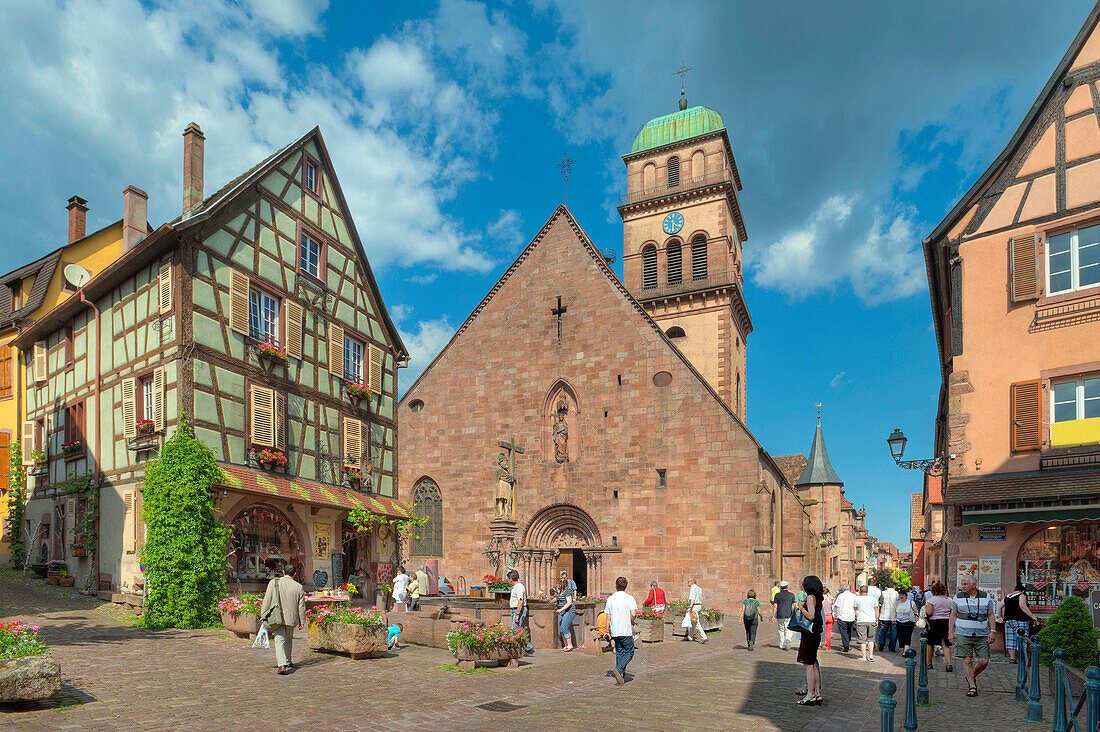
675,332
675,263
699,258
649,267
649,177
697,164
738,393
427,501
673,172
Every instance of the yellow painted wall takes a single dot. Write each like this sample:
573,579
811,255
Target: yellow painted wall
93,253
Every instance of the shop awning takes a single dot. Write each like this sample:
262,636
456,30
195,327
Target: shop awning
1012,487
259,482
1043,514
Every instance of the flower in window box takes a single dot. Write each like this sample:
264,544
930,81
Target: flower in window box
271,350
353,471
270,458
145,427
72,447
359,391
39,456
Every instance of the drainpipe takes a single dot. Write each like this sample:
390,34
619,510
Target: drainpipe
98,453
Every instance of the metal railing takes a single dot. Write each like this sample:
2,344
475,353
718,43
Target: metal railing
1067,708
710,179
1052,462
691,285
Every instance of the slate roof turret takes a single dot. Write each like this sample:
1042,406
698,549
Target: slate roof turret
819,471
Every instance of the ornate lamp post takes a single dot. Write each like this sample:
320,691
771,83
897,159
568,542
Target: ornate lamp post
897,441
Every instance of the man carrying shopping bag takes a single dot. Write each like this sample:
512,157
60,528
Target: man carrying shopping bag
284,609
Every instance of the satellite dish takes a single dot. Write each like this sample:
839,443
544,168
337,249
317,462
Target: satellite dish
76,275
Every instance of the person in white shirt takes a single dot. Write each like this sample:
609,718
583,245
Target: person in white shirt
621,610
873,590
401,587
695,606
887,630
844,610
517,601
866,619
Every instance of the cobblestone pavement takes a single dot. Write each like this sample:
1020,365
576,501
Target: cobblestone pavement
116,676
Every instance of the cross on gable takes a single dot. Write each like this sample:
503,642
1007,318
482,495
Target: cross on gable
559,311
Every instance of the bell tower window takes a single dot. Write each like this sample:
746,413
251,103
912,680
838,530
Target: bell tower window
673,172
675,263
649,267
699,258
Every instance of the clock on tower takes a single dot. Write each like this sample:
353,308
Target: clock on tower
673,222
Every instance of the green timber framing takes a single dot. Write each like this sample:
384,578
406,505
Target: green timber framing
171,315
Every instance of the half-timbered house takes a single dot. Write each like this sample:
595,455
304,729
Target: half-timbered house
256,316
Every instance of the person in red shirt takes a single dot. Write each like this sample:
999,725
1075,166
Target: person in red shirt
656,599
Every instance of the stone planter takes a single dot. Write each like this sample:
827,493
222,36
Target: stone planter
31,678
651,630
359,641
709,625
66,581
503,655
243,625
53,577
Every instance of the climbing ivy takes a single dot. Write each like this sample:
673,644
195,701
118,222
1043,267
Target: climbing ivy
87,531
17,488
367,521
185,544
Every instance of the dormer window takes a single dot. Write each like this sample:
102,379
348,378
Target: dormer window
311,177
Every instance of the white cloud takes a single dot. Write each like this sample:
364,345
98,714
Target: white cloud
837,380
400,312
507,228
423,279
424,344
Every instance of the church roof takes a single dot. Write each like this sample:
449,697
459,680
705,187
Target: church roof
791,465
819,471
675,127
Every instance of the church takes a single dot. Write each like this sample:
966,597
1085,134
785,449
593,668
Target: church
580,423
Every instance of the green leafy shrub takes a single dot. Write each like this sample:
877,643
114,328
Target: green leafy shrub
17,485
902,580
485,638
1070,628
883,578
185,544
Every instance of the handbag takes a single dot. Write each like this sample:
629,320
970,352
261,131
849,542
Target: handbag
274,614
799,623
922,619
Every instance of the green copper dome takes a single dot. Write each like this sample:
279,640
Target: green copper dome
676,127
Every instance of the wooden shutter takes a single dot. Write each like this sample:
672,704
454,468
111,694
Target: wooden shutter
353,441
1026,432
293,329
5,371
39,362
238,302
129,535
27,443
70,519
166,288
129,408
375,382
1024,267
5,463
280,422
336,350
158,400
262,416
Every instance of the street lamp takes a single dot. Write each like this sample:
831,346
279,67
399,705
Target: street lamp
897,441
923,533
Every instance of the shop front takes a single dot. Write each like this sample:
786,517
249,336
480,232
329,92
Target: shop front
1059,561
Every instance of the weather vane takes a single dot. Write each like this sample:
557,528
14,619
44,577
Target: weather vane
682,72
818,405
566,167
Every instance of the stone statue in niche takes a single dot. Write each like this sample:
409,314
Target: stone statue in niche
505,488
561,432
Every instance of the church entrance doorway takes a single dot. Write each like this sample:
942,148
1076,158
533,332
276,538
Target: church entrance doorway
575,566
561,538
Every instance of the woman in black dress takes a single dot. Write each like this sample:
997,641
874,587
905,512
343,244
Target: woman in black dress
807,647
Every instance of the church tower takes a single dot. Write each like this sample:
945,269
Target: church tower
682,236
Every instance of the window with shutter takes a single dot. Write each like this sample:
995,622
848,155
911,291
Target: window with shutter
353,442
74,423
675,263
280,422
262,417
158,400
336,350
129,408
1026,427
294,327
6,372
673,172
39,366
353,360
129,535
375,369
1023,267
69,349
238,302
699,259
649,267
27,440
165,285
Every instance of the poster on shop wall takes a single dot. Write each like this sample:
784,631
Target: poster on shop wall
966,568
989,576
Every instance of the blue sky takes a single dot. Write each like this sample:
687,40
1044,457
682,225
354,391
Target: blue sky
855,127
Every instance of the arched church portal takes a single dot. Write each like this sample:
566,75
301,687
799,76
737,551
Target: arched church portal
561,538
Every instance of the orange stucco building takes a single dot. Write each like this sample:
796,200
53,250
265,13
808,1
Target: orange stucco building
1014,274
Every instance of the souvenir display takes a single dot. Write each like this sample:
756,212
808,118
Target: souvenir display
1059,562
263,540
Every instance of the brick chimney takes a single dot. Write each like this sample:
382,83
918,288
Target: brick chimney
78,218
135,218
193,141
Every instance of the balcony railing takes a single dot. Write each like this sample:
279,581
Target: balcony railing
1053,462
690,285
718,176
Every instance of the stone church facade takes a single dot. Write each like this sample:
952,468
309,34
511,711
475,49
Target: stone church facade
633,463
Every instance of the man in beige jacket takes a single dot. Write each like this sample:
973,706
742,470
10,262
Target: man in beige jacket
288,594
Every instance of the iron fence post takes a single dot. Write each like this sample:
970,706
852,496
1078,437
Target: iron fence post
1021,665
1092,692
910,723
1060,720
886,703
1035,704
922,683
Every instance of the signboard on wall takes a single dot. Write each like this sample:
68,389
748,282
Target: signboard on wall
993,532
322,540
989,576
1094,604
966,568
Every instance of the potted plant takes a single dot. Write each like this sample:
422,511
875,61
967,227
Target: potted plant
241,613
268,351
1070,628
72,448
145,427
80,550
472,643
358,392
269,459
359,632
498,586
382,595
41,462
353,474
651,625
66,579
54,568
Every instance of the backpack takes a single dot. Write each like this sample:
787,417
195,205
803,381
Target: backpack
602,621
750,610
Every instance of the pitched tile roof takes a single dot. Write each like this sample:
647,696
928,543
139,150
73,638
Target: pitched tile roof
791,465
1024,486
247,480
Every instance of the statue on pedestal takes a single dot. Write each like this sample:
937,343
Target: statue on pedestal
505,489
561,433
